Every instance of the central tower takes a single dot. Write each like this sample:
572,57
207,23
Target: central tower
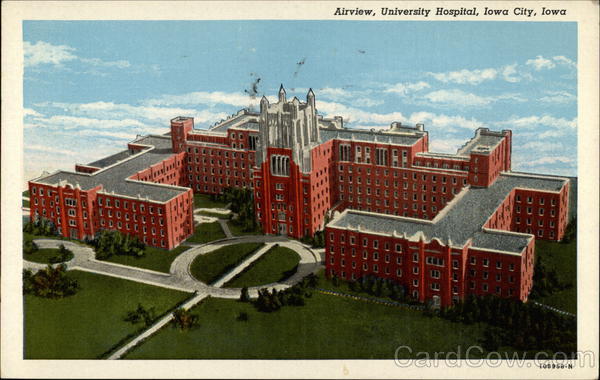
288,125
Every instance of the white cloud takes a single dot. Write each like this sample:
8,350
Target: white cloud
549,160
111,111
122,64
44,53
561,59
41,52
405,88
445,145
50,149
457,98
448,123
537,121
355,115
74,122
466,76
539,146
205,98
31,112
510,74
561,97
540,63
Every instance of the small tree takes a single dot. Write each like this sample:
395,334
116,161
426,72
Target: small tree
245,295
29,247
51,282
184,319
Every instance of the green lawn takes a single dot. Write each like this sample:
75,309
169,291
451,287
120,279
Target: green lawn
327,327
562,258
239,230
155,258
205,232
89,323
44,255
275,265
204,201
210,267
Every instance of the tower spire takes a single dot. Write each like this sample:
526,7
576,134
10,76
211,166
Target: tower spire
281,94
310,97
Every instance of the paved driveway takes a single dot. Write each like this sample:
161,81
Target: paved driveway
180,277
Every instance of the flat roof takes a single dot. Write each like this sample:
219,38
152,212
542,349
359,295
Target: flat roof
113,178
485,140
381,137
462,219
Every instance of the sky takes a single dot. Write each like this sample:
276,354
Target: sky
92,86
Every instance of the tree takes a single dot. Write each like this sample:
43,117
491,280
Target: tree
184,319
244,295
29,247
51,282
141,314
108,243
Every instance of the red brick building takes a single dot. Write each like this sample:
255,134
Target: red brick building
443,225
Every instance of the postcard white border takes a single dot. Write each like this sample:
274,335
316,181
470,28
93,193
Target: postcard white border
585,13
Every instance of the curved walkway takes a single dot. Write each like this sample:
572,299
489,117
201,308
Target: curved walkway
180,277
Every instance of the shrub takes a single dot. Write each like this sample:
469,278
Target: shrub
39,227
244,295
141,314
29,247
184,319
51,282
108,243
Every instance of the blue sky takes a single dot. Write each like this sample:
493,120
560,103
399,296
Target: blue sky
89,87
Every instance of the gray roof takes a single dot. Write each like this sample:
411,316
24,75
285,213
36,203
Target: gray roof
462,219
407,139
245,121
113,179
483,139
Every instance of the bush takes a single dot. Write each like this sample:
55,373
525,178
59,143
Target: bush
244,295
184,319
29,247
64,254
108,243
40,227
141,314
49,282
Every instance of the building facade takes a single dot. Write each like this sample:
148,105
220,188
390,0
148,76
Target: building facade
442,225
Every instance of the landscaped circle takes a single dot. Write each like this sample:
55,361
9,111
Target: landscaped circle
48,256
275,265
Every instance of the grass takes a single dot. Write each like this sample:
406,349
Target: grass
44,255
204,201
277,264
239,230
206,232
327,327
562,258
89,323
210,267
154,259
